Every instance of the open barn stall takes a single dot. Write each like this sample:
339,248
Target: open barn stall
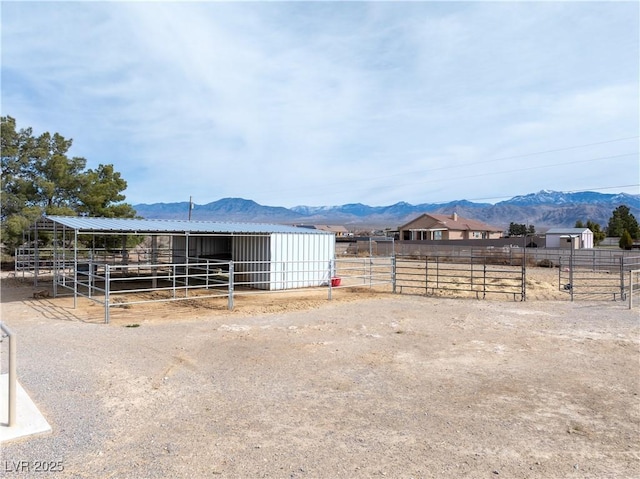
177,259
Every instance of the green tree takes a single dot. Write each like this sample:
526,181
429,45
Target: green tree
621,220
101,194
516,229
38,177
626,241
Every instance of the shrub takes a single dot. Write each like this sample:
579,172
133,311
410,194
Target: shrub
545,263
626,241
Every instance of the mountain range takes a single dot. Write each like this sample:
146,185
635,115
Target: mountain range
545,209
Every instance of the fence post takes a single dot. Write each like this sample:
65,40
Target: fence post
571,264
230,293
12,376
524,280
484,277
622,296
426,275
559,272
90,276
393,272
331,273
173,280
630,289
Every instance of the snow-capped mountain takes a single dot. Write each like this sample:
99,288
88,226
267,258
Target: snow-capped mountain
544,209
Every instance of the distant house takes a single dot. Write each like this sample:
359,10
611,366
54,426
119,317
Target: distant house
445,227
572,238
339,231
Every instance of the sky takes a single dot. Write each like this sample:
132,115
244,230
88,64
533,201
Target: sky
328,103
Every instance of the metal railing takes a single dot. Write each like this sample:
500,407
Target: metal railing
634,285
123,285
33,261
478,275
581,277
12,375
198,279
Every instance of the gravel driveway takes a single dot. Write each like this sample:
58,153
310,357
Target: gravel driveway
374,386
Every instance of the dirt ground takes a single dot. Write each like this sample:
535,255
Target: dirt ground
369,384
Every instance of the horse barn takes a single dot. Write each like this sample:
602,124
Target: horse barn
149,260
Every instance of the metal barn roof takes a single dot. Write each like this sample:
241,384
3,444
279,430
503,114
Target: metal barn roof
142,226
568,231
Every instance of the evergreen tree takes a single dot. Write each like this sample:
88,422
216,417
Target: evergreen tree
516,229
38,177
621,220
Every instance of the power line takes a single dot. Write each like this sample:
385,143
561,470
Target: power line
564,148
482,162
490,173
518,170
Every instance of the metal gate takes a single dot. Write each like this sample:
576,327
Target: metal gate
587,279
477,276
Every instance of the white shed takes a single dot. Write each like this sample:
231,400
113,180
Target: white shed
570,238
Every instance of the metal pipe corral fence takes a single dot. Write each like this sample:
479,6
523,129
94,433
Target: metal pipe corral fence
634,285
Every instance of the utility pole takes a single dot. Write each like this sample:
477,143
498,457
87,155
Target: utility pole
190,206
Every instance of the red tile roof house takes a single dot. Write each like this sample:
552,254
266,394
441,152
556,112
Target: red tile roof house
447,227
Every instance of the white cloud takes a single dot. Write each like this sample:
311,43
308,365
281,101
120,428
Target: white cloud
290,103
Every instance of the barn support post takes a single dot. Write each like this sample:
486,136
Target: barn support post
55,259
107,287
125,255
154,261
36,258
90,276
230,293
75,269
186,267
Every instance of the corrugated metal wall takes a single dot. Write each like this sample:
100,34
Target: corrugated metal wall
301,260
252,257
271,262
